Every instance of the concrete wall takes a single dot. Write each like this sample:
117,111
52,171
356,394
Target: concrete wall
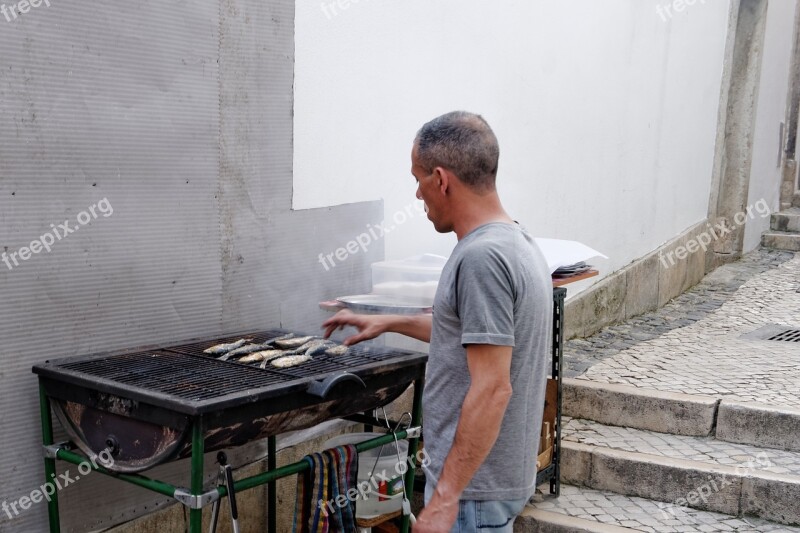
765,173
606,112
644,285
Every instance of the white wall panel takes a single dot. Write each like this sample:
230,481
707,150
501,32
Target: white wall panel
606,111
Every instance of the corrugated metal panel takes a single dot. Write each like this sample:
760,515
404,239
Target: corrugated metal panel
116,101
180,115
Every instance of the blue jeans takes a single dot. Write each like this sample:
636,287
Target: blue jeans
495,516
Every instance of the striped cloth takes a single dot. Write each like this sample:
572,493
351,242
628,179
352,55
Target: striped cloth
323,504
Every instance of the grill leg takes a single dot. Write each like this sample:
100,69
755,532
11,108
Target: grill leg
558,369
416,420
49,464
198,441
272,494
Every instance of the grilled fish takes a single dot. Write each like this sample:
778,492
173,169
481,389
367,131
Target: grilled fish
220,349
290,361
251,348
293,342
277,355
340,349
260,356
300,350
318,347
244,350
273,340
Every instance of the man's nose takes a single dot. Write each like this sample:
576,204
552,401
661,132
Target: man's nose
419,194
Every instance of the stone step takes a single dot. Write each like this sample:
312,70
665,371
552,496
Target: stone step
781,240
666,412
683,414
698,472
581,509
759,425
786,220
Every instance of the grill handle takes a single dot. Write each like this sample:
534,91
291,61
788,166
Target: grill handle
323,387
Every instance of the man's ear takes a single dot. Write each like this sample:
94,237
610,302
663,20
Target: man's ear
442,178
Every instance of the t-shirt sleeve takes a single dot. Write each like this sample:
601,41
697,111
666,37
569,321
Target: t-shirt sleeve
485,298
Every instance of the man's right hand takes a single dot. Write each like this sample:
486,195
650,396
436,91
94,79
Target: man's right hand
368,326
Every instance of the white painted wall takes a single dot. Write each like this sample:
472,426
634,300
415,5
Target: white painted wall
605,111
765,174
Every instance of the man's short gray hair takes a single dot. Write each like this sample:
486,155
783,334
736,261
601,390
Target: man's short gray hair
464,144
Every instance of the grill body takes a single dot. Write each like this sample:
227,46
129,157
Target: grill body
142,404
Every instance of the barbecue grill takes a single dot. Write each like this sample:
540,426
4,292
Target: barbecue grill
145,407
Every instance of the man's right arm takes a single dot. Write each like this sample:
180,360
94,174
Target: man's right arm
370,326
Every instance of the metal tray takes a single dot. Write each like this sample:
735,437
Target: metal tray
384,304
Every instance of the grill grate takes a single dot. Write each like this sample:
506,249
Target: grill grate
789,335
185,372
189,378
321,364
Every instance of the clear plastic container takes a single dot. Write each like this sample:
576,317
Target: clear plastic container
374,468
415,277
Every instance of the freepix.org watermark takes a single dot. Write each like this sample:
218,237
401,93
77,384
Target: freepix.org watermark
667,10
704,491
59,232
330,8
381,484
374,233
23,6
46,491
713,233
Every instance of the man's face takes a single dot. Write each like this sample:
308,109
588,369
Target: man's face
428,191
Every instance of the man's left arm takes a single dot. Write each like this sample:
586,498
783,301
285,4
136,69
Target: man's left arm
478,428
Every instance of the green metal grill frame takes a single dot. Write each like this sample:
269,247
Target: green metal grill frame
196,491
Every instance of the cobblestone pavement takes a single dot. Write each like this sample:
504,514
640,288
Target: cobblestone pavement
686,309
646,515
706,450
693,345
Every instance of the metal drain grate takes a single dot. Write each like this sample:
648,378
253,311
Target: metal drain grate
774,332
790,335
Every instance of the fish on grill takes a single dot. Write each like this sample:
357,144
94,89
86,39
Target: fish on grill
301,350
267,358
250,348
317,347
262,355
339,349
290,361
284,351
313,347
292,343
221,349
244,350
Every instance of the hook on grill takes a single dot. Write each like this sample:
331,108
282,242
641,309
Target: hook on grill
112,445
323,388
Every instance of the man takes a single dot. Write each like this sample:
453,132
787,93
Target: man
489,336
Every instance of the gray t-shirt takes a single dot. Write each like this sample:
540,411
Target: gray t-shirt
495,289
